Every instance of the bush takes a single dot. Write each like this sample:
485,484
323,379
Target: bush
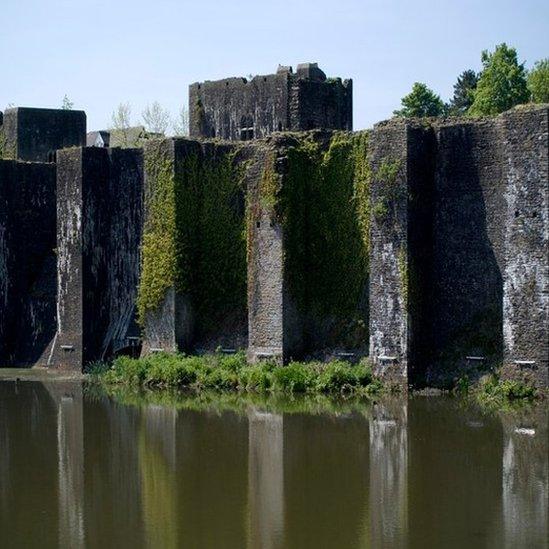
231,372
296,377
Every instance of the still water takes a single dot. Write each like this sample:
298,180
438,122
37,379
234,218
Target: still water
83,470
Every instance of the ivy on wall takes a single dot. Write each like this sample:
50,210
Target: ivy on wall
324,207
194,234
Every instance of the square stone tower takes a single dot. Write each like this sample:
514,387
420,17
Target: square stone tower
239,109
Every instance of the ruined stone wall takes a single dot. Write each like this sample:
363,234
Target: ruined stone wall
389,328
525,223
27,262
35,134
222,108
193,284
468,248
322,105
239,110
99,202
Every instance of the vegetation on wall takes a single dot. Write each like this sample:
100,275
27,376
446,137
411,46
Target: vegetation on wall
323,205
194,234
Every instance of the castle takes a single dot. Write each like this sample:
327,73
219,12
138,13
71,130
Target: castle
420,243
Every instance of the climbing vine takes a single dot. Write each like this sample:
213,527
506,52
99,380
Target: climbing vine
324,207
388,191
194,233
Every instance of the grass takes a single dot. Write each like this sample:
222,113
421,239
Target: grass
493,392
219,372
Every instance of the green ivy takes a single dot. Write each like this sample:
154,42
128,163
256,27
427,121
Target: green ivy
194,234
324,207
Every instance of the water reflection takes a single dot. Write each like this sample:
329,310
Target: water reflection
82,471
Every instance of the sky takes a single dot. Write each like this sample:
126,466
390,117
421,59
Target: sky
102,53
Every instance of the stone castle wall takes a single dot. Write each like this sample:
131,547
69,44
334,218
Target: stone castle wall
422,244
239,110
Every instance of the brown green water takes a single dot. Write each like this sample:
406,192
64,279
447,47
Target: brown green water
83,470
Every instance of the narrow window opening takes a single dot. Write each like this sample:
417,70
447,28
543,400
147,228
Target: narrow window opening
258,224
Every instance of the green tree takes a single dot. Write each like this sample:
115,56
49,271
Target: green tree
67,104
538,81
502,82
420,102
464,93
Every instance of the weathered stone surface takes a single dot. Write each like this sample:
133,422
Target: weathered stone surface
99,199
239,110
525,223
35,134
27,261
471,230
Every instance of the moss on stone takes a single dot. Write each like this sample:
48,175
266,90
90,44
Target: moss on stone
324,207
194,233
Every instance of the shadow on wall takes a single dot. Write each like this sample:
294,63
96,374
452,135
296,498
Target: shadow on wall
467,284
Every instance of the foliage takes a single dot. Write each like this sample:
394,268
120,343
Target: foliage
158,248
502,83
156,118
327,242
420,102
387,191
221,372
494,392
194,234
464,93
538,81
67,104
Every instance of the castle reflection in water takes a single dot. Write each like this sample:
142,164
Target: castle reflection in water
81,471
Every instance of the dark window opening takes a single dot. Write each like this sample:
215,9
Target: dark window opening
246,128
258,224
52,156
534,214
517,213
280,126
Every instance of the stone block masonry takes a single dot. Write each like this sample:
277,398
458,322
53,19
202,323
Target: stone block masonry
99,206
422,244
35,134
239,110
459,258
192,293
27,262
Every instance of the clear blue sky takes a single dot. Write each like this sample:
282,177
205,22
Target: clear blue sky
101,53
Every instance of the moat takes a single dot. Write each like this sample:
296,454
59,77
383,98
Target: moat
79,468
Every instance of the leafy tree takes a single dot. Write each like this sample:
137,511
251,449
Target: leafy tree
67,104
502,82
156,118
420,102
464,93
538,81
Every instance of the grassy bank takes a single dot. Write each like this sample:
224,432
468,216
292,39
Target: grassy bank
233,373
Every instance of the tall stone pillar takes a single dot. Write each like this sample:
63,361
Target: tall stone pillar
274,332
400,237
526,276
98,237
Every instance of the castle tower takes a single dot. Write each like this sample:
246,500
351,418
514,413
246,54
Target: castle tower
239,110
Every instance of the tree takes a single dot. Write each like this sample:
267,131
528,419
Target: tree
67,104
420,102
464,93
181,123
538,81
121,123
502,82
155,118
